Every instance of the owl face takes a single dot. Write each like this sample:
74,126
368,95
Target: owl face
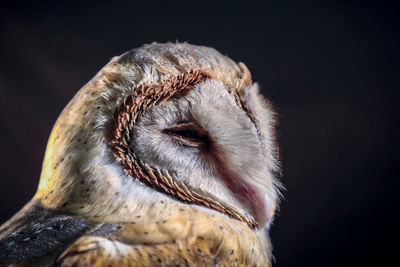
166,121
206,141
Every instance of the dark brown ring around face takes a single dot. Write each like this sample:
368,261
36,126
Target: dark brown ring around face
143,97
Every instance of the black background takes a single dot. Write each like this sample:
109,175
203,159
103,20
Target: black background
331,69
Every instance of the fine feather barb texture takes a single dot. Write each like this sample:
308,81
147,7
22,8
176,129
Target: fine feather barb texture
127,114
165,158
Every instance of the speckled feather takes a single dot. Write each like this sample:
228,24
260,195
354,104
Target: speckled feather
186,238
109,215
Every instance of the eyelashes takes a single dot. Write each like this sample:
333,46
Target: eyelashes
189,134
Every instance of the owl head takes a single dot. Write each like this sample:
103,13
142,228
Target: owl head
172,123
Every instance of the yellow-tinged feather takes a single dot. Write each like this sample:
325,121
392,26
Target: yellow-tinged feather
189,238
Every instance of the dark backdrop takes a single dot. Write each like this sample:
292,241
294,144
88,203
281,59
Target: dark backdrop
331,69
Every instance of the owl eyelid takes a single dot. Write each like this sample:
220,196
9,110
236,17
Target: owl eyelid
189,134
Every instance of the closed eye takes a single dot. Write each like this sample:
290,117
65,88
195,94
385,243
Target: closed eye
188,134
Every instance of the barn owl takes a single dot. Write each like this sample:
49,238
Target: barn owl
165,158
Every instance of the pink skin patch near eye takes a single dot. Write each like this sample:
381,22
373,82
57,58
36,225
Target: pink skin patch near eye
248,190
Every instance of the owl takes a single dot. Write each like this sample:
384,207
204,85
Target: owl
167,157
